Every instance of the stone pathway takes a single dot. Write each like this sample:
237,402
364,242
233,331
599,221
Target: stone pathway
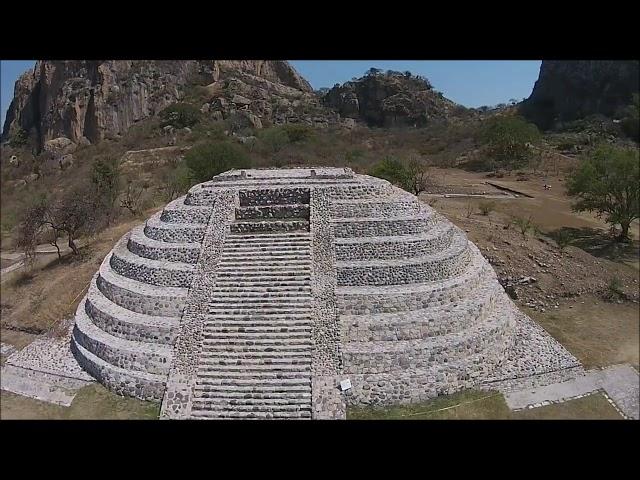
45,370
40,385
621,383
6,349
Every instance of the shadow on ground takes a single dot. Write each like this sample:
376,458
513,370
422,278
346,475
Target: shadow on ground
598,243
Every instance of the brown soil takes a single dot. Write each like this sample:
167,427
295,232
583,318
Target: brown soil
568,295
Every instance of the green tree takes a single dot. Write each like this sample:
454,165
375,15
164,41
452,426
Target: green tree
208,160
106,178
508,139
607,182
180,115
19,138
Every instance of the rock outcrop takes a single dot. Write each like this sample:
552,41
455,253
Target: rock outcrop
390,99
568,90
93,100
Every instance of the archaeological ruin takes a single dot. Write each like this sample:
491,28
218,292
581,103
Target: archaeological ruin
292,293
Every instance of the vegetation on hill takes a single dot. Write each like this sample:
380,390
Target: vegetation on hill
509,140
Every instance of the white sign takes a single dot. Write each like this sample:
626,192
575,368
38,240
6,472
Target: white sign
345,384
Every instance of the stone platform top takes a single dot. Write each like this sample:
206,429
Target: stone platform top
285,173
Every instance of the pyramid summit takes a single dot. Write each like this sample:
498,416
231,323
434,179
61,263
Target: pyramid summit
290,293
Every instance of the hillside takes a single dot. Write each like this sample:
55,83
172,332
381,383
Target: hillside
390,99
568,90
88,101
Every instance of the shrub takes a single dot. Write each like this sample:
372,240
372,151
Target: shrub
524,225
614,289
274,139
389,169
208,160
19,138
487,207
298,133
180,115
563,238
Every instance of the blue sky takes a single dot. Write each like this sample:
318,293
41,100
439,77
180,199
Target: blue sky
472,83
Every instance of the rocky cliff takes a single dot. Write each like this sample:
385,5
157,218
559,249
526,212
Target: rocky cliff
567,90
390,99
90,100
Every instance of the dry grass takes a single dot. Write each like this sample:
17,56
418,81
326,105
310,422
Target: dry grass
598,333
93,402
476,405
53,292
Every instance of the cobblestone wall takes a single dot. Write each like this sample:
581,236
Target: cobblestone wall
177,399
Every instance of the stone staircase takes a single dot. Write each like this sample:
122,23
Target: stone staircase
257,347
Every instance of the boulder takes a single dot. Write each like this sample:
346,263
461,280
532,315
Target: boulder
60,146
65,161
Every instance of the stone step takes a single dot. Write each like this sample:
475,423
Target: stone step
253,348
173,232
252,405
269,300
246,294
257,309
265,390
177,211
270,236
255,326
259,330
256,363
266,255
265,282
252,263
264,269
258,317
259,344
127,324
261,277
256,355
142,385
304,394
143,246
138,296
208,373
290,248
214,414
256,383
127,354
270,226
200,400
250,288
256,336
161,273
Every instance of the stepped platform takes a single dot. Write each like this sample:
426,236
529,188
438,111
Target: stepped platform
258,292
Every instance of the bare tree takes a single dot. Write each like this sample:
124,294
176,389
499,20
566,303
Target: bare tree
132,196
418,177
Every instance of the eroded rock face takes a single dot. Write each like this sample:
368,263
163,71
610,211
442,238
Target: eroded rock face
388,100
568,90
93,100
